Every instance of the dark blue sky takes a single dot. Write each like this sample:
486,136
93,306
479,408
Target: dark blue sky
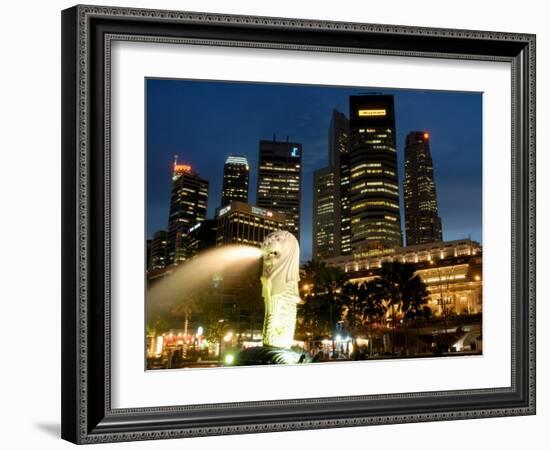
204,121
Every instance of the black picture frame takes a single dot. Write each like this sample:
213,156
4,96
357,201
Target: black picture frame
87,415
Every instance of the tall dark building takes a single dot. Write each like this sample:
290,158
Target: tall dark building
148,253
324,214
201,237
338,154
159,250
237,290
188,205
235,180
279,180
422,221
374,190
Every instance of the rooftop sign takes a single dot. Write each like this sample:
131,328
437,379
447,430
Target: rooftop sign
371,112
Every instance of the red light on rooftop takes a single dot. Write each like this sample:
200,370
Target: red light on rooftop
426,135
182,168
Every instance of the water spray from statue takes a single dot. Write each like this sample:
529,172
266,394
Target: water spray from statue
280,257
197,273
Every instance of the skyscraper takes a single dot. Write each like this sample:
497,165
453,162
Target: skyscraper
201,237
338,155
374,190
325,207
159,246
188,205
279,180
422,221
235,180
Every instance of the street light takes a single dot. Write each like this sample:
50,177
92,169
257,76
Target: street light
228,336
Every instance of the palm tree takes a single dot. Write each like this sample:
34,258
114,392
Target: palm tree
414,303
403,292
189,303
364,307
314,316
354,295
156,326
373,308
325,284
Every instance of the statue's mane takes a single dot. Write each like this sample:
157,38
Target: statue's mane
287,268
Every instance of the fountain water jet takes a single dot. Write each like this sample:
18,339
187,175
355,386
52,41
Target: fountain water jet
197,273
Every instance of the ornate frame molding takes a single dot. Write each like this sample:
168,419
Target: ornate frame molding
83,421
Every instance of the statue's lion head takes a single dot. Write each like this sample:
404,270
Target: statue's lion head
281,257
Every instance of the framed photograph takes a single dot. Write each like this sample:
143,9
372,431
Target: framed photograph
281,224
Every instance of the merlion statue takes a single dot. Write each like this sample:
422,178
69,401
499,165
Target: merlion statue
280,276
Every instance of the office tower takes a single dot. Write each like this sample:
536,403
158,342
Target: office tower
422,222
188,205
339,161
148,253
279,180
324,214
201,237
240,223
237,290
374,190
159,250
235,180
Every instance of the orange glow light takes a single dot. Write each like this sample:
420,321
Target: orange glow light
426,135
182,168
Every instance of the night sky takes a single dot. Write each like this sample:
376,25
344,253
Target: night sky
204,121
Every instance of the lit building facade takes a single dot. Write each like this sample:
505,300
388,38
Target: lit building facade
159,250
201,237
238,292
188,206
325,244
452,271
148,244
374,190
240,223
339,161
235,180
422,221
279,181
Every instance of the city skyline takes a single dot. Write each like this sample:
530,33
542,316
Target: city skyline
457,163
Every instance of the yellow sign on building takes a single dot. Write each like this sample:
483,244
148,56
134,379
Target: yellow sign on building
372,112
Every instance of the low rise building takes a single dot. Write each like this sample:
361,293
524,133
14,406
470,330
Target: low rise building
452,271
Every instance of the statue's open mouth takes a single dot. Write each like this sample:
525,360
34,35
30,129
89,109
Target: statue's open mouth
269,254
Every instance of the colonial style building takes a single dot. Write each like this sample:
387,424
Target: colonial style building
451,270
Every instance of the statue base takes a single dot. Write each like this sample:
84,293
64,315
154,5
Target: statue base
270,355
